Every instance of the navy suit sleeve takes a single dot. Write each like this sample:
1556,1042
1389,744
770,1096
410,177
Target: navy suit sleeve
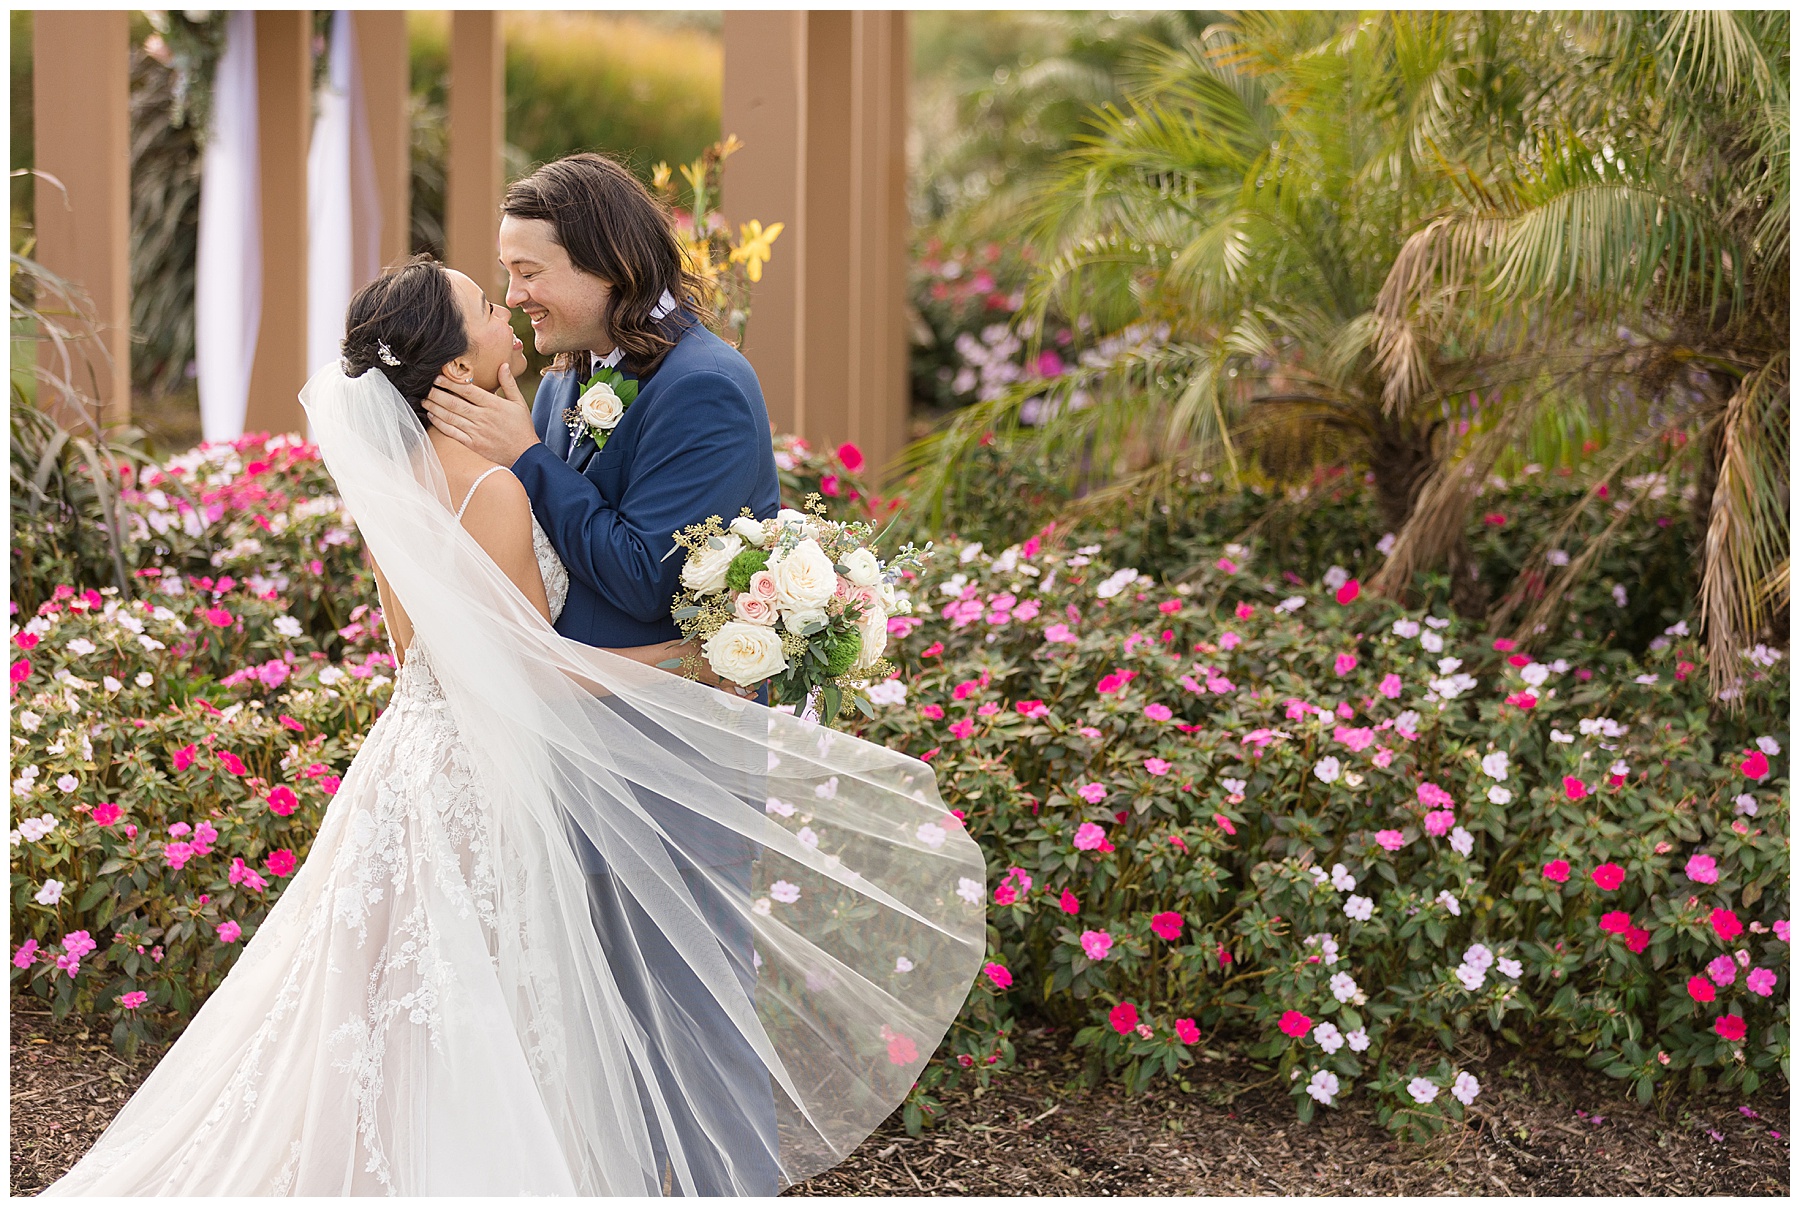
696,456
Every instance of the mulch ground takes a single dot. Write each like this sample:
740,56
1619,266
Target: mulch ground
1539,1128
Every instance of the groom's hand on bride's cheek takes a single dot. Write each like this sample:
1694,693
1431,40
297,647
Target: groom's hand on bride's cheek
497,426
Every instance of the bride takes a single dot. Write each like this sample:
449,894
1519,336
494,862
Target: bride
428,1008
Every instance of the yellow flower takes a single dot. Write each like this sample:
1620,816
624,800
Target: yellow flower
659,176
696,175
752,250
727,146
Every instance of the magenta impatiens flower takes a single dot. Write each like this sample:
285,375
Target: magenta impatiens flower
106,815
998,974
1295,1024
1439,822
1032,709
1124,1018
1557,870
1701,989
1725,924
280,863
230,932
962,729
1608,876
1157,766
932,712
1349,591
1068,904
282,800
1574,788
1729,1027
1390,686
134,999
1616,922
1167,925
218,617
1095,944
1761,982
1755,765
1636,939
1187,1031
1722,969
1391,840
231,762
27,952
1224,823
184,758
1703,869
1344,664
1157,712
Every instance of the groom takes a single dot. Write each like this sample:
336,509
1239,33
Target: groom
591,258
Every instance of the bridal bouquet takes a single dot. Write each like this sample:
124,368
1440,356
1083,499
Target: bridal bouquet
799,602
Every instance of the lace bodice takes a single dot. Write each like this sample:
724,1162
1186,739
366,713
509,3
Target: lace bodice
556,575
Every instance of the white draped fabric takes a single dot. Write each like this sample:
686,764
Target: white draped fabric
228,269
343,212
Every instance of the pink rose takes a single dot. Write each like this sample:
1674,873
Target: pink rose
762,587
751,610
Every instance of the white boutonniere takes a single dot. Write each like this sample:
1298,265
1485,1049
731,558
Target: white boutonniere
601,405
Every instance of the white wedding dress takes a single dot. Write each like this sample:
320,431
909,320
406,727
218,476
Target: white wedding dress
427,1010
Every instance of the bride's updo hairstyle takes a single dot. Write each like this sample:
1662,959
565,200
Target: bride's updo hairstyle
410,312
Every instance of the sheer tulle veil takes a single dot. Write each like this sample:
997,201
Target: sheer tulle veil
865,903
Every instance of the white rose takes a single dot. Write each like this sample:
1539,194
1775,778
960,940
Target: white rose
751,531
704,572
600,407
861,568
746,654
872,628
805,579
796,619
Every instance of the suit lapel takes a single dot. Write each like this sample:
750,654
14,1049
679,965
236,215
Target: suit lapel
556,394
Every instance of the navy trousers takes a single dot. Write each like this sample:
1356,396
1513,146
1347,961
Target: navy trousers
686,1031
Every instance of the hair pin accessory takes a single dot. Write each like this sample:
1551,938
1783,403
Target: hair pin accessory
386,354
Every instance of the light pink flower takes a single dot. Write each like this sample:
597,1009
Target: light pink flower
1089,836
229,932
1722,969
1703,869
1228,640
1761,982
1060,633
1390,686
1438,822
1344,664
1157,712
1391,840
1157,766
1093,794
1095,944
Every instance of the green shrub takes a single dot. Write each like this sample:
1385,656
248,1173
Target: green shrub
1166,782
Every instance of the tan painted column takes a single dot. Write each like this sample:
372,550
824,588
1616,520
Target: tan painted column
473,177
765,106
284,126
81,108
831,146
386,78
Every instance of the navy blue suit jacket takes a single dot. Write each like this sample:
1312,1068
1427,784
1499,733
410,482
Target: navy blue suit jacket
693,443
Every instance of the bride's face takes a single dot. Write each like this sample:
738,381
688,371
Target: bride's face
491,339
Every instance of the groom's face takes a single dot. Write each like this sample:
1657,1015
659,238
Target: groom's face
564,303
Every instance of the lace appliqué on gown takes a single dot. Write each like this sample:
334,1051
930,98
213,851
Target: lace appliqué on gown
368,984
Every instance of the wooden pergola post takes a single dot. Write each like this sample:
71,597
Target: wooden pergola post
381,45
82,128
474,177
819,99
284,128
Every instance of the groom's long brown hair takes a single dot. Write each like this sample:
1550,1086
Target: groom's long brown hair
613,228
